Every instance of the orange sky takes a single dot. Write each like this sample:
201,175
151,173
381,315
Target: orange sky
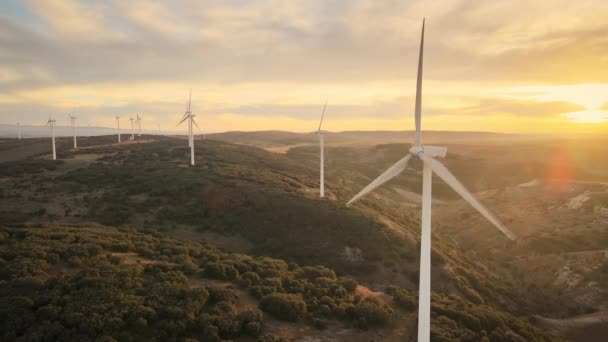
505,66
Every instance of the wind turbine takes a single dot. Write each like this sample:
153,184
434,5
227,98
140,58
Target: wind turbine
190,117
73,122
185,115
118,127
427,154
138,125
19,130
132,129
51,123
321,133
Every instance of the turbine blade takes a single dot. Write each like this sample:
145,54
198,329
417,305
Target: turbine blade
190,99
184,119
195,124
322,115
418,108
393,171
445,174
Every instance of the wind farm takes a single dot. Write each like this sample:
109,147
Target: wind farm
259,228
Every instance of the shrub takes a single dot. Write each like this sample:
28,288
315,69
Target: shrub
404,299
348,283
370,312
271,338
284,306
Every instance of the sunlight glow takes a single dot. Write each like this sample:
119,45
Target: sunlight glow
588,116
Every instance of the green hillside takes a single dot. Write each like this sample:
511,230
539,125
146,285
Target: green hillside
264,205
100,283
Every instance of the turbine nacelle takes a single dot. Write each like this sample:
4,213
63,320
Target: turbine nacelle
431,151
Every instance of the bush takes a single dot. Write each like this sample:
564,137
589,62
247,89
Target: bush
370,312
271,338
402,298
284,306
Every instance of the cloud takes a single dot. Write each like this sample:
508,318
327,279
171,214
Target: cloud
513,107
307,41
605,106
73,19
274,58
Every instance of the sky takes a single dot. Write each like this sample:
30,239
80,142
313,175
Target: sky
515,66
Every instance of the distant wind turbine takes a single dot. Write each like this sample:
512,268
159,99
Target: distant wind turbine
138,125
430,165
118,127
190,117
51,123
321,134
19,130
73,122
132,129
186,114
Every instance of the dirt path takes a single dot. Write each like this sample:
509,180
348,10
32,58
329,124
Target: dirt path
284,149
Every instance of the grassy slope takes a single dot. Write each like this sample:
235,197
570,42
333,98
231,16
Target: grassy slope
263,197
91,282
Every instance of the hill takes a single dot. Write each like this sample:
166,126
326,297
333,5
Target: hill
262,204
95,282
281,141
551,193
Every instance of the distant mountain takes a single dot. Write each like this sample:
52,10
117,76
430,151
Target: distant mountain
274,139
10,131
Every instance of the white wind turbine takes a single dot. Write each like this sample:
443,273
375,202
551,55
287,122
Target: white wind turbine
190,139
321,134
138,125
427,154
132,129
51,123
73,122
19,130
118,127
190,117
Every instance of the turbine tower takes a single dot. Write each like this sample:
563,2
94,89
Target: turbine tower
118,127
138,125
190,117
19,130
427,154
132,129
321,133
51,123
73,122
188,112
